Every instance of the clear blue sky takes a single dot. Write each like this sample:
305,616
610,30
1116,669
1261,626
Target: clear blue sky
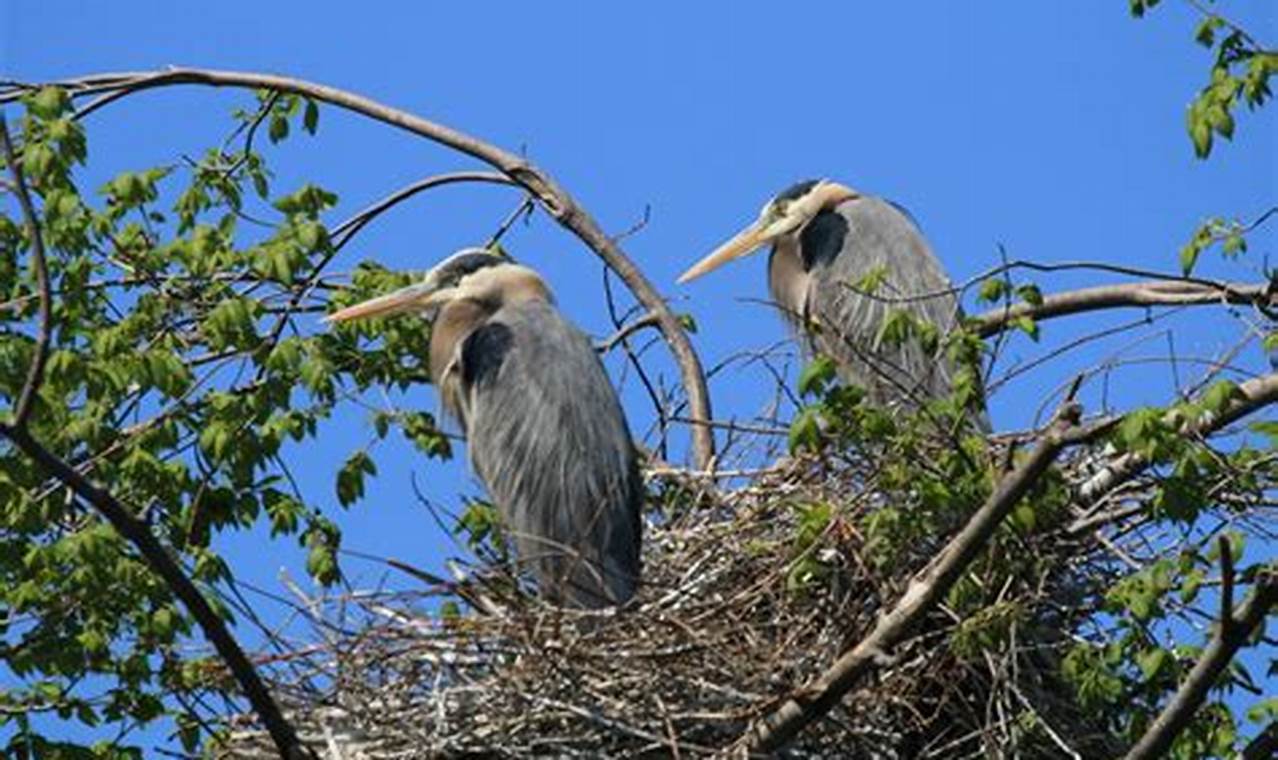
1054,129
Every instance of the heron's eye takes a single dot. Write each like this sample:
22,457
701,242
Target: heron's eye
774,211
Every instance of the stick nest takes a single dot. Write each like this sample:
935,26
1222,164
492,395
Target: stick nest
740,609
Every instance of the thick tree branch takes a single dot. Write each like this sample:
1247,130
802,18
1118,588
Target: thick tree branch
1138,294
924,592
1232,633
557,202
157,558
35,374
1264,746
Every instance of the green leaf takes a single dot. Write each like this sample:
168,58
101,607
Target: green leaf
1220,395
1205,34
1151,662
805,430
321,564
278,129
1200,133
1189,257
1030,294
872,280
49,102
310,117
1027,325
992,289
350,478
816,375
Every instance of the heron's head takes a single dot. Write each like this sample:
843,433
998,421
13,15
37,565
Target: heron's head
786,214
470,273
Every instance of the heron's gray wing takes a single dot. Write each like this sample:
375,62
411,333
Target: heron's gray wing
861,236
548,438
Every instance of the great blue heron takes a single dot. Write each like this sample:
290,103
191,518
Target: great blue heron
544,429
826,239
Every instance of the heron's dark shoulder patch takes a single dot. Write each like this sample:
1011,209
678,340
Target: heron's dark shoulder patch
483,352
797,190
822,239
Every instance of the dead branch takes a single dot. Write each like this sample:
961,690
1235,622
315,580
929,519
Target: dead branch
1234,629
1136,294
923,593
555,199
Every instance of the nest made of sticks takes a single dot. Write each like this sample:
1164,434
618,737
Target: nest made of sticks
737,612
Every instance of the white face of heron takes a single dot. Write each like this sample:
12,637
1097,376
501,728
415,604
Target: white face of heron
785,214
441,284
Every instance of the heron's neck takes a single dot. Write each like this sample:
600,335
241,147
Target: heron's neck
788,277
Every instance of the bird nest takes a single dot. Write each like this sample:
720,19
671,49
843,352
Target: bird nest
747,597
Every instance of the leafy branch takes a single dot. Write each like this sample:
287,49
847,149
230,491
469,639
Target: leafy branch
120,517
1234,629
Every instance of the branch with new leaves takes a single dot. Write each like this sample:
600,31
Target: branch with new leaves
120,516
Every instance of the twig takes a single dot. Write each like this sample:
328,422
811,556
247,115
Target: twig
647,320
524,209
343,232
1140,294
924,592
1234,630
35,373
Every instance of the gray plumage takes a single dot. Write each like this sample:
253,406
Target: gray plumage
544,429
546,434
838,248
826,239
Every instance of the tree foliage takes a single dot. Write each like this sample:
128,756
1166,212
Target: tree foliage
181,371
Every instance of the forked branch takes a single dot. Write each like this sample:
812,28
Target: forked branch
1232,632
924,592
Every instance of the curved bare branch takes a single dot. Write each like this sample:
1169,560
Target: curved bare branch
554,198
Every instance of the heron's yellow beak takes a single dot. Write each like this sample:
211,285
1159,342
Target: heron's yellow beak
414,298
774,222
744,243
